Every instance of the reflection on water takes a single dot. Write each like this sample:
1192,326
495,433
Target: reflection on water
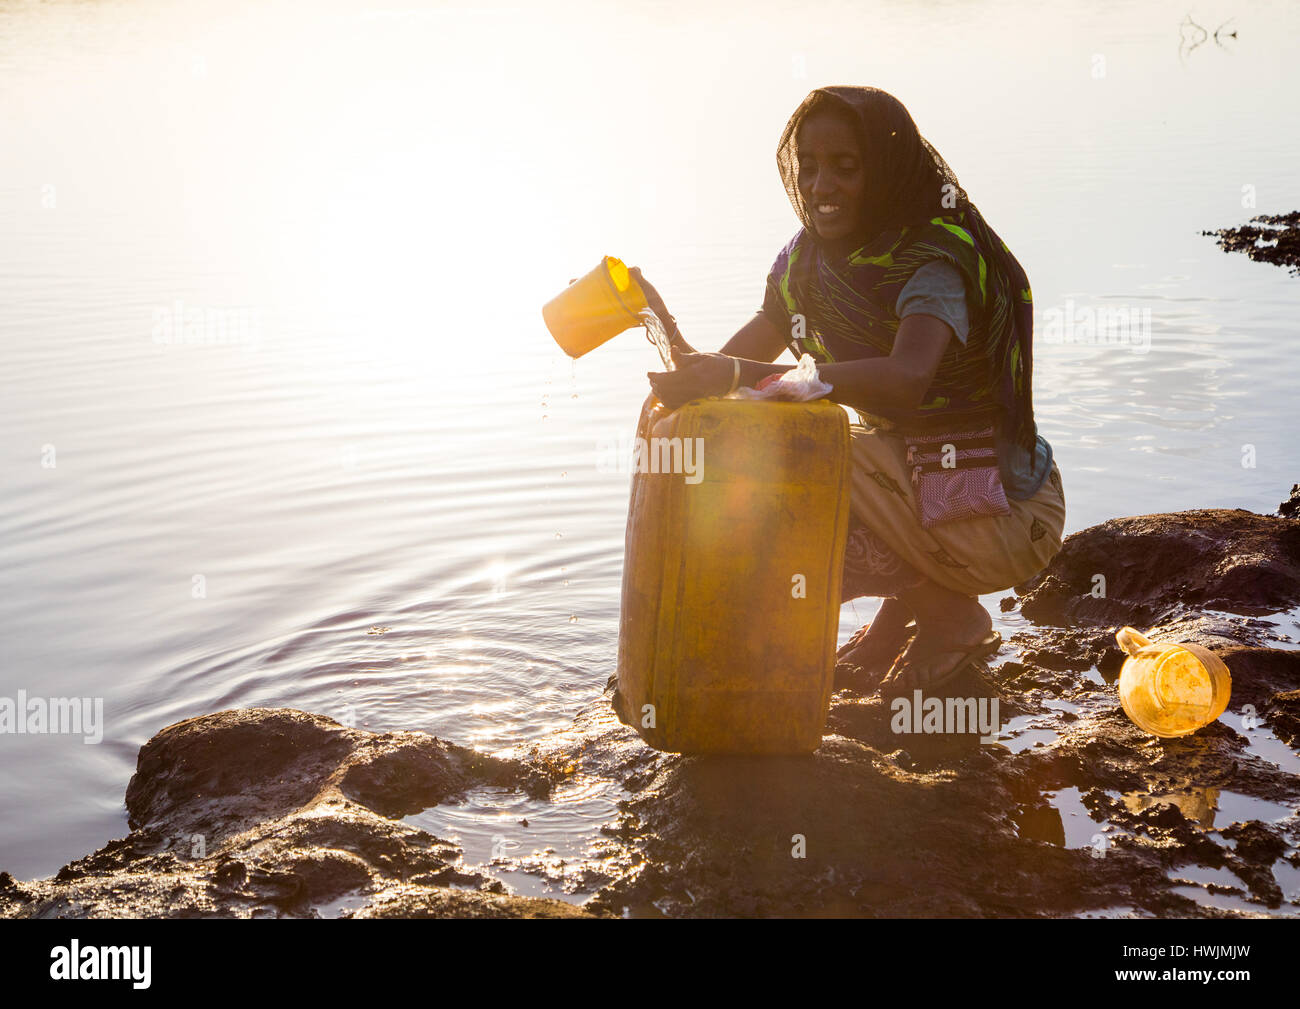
1065,821
275,372
1202,805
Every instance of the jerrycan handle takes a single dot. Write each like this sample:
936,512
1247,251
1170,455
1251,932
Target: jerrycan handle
1131,641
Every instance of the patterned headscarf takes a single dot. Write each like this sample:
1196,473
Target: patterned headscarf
915,212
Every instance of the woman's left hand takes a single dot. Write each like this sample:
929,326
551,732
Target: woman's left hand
697,376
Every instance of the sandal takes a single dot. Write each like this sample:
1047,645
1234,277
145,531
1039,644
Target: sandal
897,682
867,678
896,642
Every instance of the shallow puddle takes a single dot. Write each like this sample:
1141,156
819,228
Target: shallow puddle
1081,829
1281,629
1194,882
1288,878
1027,731
1263,743
538,848
348,902
1020,734
1093,675
1067,822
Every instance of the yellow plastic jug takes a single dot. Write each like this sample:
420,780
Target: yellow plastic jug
595,308
1171,688
731,575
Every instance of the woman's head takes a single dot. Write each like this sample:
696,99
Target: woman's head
854,164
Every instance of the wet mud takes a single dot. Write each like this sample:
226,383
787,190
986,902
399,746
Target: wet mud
1064,809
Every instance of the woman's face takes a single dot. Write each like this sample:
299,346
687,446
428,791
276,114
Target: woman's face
832,177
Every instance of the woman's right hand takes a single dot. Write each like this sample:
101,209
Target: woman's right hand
695,377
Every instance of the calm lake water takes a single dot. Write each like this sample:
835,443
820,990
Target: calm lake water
369,485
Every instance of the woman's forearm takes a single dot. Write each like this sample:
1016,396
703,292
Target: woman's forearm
757,340
871,384
875,384
883,384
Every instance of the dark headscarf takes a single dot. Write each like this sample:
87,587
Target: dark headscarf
909,185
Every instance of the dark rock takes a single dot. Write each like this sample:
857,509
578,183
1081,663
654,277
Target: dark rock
271,812
1257,842
1269,238
1290,508
416,903
1264,677
1284,716
1154,565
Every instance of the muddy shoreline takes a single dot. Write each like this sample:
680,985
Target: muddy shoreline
1074,811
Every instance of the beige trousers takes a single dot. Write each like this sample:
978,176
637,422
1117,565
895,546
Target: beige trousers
970,556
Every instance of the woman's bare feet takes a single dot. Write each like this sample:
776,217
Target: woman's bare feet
875,645
949,626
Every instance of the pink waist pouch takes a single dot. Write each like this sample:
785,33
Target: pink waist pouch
955,476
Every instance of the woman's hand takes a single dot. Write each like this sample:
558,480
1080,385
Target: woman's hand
657,306
697,376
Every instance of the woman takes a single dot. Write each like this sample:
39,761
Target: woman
921,320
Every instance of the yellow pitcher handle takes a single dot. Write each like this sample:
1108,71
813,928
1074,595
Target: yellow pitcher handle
1131,641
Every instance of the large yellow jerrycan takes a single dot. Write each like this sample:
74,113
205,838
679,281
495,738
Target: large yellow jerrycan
732,574
1171,688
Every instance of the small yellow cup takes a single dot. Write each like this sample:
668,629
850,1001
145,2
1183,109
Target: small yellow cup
1171,688
595,308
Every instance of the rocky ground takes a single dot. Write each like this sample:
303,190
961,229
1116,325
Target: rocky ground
274,812
1269,238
